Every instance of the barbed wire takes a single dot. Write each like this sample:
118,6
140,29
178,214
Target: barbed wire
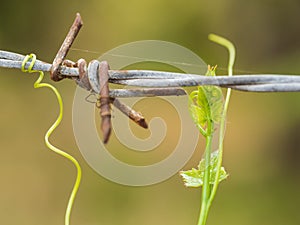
157,82
159,79
95,77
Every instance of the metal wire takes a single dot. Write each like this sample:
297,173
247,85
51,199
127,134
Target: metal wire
14,61
254,83
157,79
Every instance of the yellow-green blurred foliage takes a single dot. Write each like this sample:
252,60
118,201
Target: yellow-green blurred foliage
262,150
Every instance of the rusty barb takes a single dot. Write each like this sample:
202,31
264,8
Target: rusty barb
96,76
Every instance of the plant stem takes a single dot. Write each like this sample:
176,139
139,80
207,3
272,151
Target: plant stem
231,49
206,191
209,192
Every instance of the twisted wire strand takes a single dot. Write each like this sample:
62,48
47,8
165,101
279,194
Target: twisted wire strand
157,79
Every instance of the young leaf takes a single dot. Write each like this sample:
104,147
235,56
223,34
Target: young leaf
195,177
192,178
206,103
211,71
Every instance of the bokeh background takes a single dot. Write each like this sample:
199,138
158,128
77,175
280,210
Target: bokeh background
262,147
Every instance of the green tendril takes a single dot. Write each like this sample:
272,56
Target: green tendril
231,50
32,58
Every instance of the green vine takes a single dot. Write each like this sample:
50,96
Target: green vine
207,110
32,58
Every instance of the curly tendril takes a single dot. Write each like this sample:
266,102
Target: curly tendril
32,58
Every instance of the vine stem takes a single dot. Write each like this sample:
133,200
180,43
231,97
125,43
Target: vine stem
231,49
206,191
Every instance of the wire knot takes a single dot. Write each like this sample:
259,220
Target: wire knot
95,79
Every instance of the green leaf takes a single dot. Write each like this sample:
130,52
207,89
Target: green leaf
197,115
211,71
195,177
192,178
206,103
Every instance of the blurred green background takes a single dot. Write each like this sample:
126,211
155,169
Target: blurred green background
262,147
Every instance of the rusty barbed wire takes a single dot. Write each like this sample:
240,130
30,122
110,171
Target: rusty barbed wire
96,76
158,79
